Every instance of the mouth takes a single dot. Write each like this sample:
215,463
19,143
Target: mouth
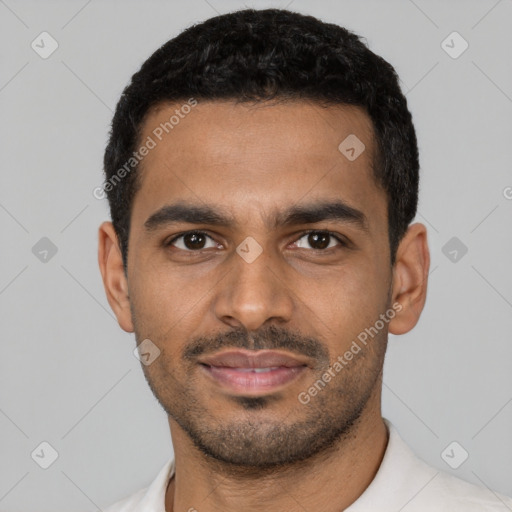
249,373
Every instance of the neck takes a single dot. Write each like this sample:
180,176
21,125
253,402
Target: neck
330,481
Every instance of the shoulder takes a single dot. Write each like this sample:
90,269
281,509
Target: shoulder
437,490
128,504
149,499
449,493
406,482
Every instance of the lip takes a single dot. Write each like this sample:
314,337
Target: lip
249,359
252,373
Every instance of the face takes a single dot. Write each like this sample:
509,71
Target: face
258,255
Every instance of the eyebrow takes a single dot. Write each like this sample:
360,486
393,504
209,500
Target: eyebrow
295,215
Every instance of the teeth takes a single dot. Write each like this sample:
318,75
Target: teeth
257,370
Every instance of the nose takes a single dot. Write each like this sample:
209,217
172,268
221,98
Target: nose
253,294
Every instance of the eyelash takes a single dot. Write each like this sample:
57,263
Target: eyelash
337,237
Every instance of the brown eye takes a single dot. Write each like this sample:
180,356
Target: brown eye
191,241
319,240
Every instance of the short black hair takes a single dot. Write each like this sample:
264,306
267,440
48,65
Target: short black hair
259,55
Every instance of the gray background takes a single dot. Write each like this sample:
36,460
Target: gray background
67,372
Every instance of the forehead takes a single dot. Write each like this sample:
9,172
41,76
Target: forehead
252,157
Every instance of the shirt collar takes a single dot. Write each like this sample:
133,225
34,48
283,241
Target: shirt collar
400,477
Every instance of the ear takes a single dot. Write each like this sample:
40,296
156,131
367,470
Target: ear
410,276
114,278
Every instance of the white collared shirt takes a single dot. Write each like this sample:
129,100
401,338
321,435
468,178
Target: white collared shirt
403,483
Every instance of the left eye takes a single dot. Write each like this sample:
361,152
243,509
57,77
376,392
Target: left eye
319,240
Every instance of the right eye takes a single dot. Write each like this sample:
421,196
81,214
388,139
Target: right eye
191,241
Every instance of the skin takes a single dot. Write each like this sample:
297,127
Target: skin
255,161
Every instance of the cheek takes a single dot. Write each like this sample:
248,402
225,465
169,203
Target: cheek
157,303
168,308
163,292
343,304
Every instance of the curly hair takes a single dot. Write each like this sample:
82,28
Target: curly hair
259,55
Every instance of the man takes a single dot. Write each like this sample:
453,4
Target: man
262,174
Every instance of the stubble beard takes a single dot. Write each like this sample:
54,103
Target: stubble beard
257,442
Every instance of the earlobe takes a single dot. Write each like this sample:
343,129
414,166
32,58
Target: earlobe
112,272
410,276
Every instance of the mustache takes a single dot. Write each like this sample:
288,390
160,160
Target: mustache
268,338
